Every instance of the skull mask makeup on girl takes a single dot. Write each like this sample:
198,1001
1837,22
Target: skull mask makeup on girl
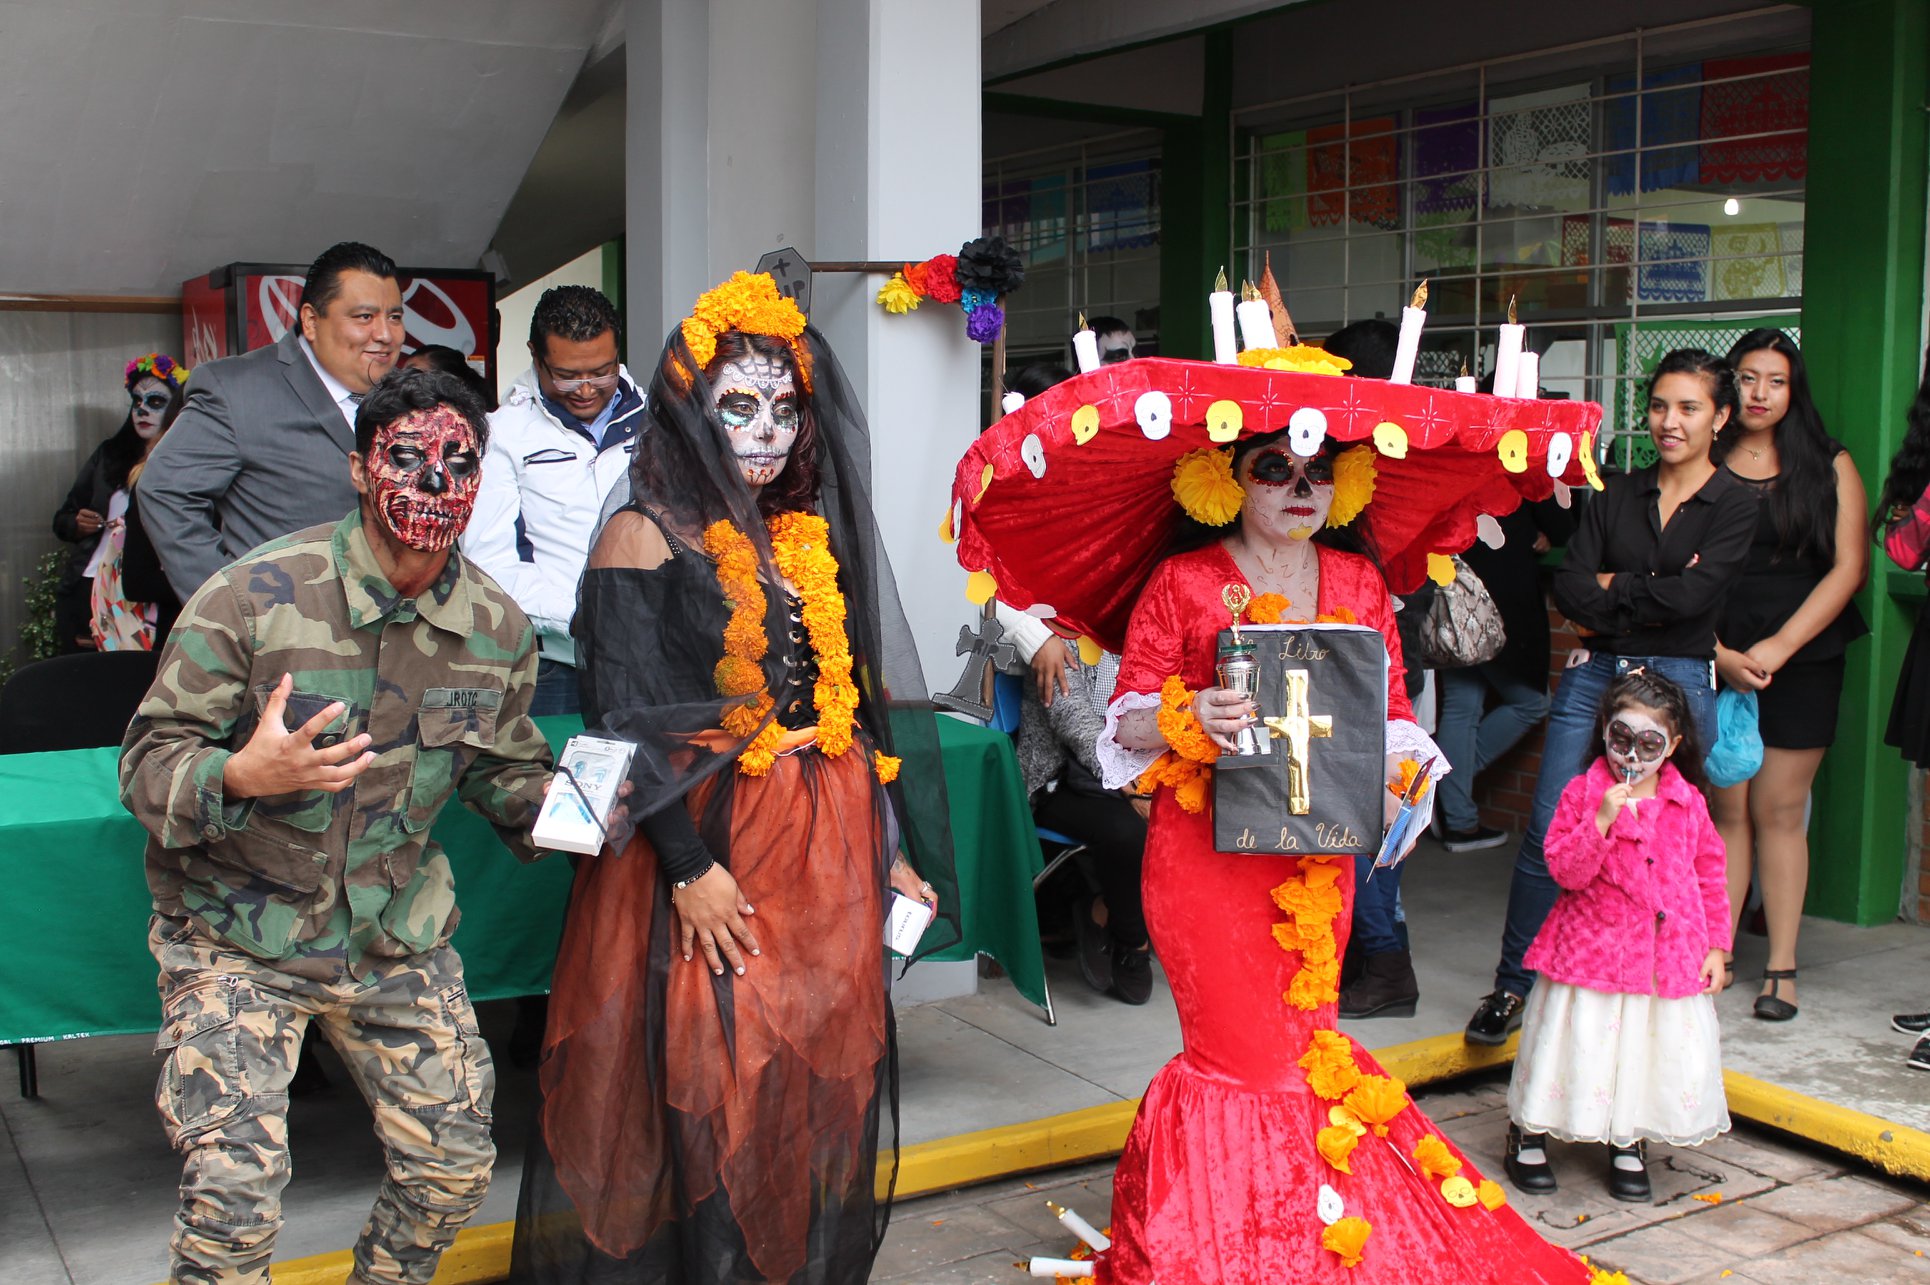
150,397
756,397
1286,493
424,471
1637,742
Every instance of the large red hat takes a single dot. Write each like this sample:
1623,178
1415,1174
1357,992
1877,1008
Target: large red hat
1066,503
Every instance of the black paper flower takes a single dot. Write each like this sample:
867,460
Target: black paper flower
987,263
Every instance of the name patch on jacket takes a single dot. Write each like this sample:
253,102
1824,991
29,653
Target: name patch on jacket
462,698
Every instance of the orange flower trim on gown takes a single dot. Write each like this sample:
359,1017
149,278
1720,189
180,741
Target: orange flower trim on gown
1269,1104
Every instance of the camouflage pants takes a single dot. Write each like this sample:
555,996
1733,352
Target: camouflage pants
232,1032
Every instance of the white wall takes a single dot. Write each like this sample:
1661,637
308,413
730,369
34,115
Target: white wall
512,347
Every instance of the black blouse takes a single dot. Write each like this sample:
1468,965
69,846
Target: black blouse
1775,583
1670,583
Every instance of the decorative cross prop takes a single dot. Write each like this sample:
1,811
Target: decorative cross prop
1298,728
985,649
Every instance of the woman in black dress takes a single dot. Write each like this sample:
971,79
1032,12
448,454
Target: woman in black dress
1784,632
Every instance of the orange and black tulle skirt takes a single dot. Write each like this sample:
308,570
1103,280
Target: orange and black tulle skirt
704,1130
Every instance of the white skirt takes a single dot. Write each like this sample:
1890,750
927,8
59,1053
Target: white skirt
1601,1067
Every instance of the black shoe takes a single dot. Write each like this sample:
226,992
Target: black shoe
1917,1024
1919,1059
1095,948
1536,1179
1629,1184
1773,1007
1386,987
1499,1014
1132,975
1472,840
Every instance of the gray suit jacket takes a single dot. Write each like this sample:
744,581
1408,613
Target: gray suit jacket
258,451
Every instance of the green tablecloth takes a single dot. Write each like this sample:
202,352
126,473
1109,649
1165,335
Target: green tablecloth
74,960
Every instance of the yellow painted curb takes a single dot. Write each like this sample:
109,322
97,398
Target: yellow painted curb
481,1254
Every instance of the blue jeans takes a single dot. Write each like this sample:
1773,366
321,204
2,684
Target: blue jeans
555,689
1471,740
1380,927
1570,745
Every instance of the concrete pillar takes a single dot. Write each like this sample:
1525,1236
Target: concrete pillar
666,167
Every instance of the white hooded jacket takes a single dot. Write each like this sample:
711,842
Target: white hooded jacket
543,484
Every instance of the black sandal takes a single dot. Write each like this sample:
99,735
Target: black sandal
1773,1007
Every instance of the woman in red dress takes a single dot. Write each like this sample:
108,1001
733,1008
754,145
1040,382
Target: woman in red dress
1274,1148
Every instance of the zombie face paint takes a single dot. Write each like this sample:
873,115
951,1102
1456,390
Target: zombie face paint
150,398
1637,742
756,397
423,473
1286,494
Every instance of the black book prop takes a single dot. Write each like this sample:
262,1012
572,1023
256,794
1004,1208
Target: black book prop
1318,785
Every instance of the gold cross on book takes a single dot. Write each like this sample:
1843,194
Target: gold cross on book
1298,727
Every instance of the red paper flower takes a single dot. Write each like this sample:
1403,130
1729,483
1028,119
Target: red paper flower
941,278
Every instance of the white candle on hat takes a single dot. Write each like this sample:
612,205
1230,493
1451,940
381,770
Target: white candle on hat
1528,379
1413,317
1464,382
1507,354
1051,1267
1220,305
1085,346
1256,319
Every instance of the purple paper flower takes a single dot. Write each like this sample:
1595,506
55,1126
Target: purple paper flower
984,323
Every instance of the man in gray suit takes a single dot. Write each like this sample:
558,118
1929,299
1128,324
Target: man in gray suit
261,447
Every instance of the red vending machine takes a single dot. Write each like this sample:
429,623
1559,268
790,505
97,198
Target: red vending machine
245,306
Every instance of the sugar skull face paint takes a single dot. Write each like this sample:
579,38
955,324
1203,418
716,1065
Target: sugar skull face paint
1636,743
1287,494
424,471
756,397
150,401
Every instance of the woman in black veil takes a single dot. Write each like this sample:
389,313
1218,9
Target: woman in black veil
720,1053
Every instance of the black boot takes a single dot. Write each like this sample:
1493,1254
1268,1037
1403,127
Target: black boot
1386,987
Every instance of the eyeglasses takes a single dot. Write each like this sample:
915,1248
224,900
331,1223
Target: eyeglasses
568,386
153,401
1646,746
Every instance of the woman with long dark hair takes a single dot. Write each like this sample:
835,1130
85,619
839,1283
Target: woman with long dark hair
1784,631
720,1058
1657,553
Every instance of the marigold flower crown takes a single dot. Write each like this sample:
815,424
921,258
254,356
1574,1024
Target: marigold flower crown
749,304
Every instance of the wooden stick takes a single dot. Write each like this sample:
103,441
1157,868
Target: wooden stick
89,303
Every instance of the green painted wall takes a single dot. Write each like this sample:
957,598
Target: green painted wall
1863,300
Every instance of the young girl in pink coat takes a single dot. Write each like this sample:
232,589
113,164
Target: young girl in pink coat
1620,1043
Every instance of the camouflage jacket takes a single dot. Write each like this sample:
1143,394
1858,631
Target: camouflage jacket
442,683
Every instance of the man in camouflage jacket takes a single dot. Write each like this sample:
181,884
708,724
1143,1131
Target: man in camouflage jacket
318,703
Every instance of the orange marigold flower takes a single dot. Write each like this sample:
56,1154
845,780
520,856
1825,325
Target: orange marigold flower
1180,725
1329,1064
736,676
1348,1238
887,767
1267,608
1490,1194
1376,1100
1434,1158
748,303
1336,1143
1338,616
1191,794
1184,777
1314,985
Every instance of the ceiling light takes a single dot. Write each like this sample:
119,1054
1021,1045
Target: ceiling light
1732,207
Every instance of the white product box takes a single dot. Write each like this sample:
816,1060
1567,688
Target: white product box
576,816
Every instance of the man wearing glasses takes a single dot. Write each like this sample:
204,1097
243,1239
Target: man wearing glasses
564,434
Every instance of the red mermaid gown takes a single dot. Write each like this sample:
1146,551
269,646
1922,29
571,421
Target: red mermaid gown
1221,1177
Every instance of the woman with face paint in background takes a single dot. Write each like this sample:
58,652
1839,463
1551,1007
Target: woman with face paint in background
1784,632
88,613
1657,554
720,1064
1620,1044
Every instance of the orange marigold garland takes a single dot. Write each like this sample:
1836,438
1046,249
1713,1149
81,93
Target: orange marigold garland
1268,608
1434,1158
1376,1100
801,551
1329,1064
1184,768
1313,899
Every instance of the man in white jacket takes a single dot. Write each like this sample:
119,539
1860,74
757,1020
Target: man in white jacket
563,436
